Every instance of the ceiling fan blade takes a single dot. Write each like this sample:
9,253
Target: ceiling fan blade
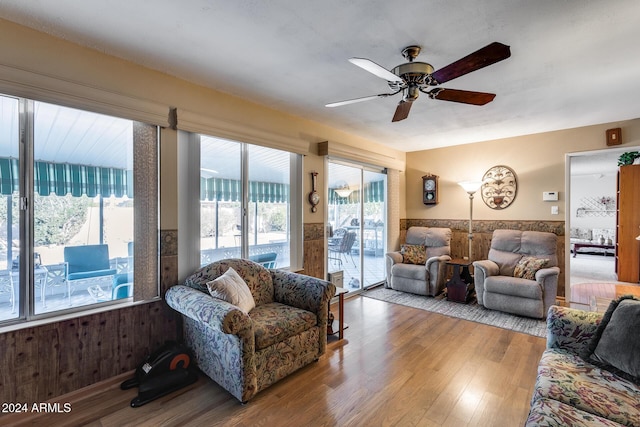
353,101
488,55
375,69
402,110
462,96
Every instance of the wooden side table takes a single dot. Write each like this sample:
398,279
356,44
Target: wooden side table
460,287
340,293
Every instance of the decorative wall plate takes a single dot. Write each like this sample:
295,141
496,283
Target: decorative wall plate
499,188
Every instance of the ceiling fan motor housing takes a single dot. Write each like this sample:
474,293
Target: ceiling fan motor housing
412,72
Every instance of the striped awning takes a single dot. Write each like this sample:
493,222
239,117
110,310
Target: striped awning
230,190
373,192
65,178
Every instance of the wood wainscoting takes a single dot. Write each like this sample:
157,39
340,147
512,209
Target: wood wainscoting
397,366
483,232
46,361
42,362
314,246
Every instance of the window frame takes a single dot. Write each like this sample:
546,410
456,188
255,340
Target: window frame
146,217
189,165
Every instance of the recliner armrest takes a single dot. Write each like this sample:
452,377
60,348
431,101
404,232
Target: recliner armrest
544,273
437,270
394,257
390,259
213,312
487,267
437,260
481,270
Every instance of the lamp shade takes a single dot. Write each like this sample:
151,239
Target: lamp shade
343,191
470,186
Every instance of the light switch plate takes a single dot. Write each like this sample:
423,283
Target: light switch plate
554,210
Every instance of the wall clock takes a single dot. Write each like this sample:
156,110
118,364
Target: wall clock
430,189
499,188
314,197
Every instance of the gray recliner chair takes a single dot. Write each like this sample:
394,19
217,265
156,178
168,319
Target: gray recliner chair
426,278
496,286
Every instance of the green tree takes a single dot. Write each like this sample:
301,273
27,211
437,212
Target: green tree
58,218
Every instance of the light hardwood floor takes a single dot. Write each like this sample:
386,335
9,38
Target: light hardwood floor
397,366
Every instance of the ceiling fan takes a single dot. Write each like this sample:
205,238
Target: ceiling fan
411,78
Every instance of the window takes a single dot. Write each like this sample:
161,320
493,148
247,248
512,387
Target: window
66,207
246,202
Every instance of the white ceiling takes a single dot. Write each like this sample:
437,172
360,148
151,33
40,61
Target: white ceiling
573,62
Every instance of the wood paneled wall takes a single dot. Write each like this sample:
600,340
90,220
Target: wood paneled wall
314,247
482,233
42,362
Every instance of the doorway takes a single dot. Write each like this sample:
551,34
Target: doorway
356,216
591,222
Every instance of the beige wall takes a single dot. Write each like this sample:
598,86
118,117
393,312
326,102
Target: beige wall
24,49
538,161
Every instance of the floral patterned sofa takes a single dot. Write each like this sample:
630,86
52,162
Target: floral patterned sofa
246,353
572,392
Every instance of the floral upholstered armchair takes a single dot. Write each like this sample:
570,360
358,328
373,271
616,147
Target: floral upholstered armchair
245,352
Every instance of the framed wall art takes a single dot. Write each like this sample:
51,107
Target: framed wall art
499,187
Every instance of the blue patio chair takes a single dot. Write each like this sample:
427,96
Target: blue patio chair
267,260
90,263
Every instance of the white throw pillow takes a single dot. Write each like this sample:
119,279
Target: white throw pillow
231,288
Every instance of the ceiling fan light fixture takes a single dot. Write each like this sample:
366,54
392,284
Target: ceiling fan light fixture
343,191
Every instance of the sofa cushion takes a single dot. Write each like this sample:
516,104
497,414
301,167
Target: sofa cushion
507,247
275,322
513,286
549,412
507,261
616,343
416,235
528,266
567,378
410,271
231,288
414,254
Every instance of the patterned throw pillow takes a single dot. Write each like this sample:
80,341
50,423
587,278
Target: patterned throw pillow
616,343
528,266
414,254
230,287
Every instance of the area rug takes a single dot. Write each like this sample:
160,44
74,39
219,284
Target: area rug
472,311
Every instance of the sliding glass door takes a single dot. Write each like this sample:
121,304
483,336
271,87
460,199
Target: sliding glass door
357,219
